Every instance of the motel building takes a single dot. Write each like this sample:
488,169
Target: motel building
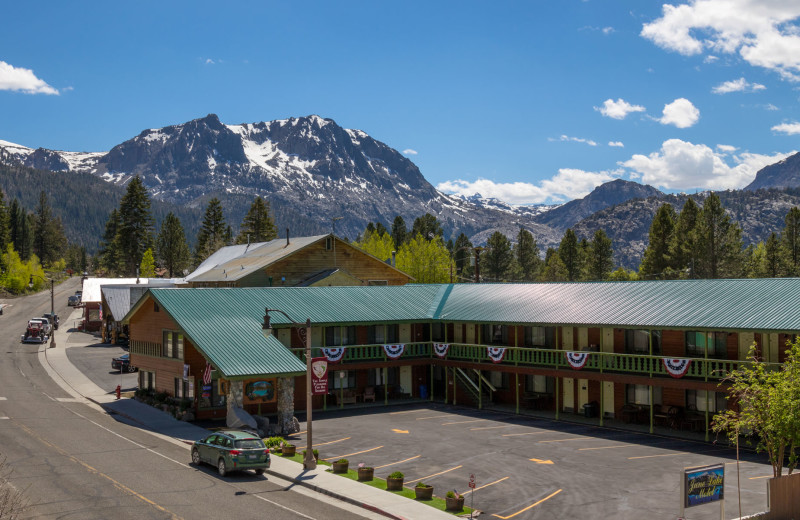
645,354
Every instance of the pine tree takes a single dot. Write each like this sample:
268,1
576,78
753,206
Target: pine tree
462,252
212,234
399,232
173,251
428,226
147,267
772,257
498,257
380,229
257,225
570,255
526,252
554,269
684,249
601,256
135,231
5,225
14,225
657,261
790,242
108,254
720,241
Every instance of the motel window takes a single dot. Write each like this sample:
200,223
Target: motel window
717,344
640,394
382,334
541,337
696,400
147,380
499,380
343,379
375,377
638,341
210,396
494,334
437,331
172,344
540,384
183,389
328,244
337,336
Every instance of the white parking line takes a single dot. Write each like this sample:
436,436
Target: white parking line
3,398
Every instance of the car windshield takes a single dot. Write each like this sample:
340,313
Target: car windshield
250,444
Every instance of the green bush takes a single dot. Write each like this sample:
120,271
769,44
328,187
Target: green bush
421,484
396,474
273,442
342,461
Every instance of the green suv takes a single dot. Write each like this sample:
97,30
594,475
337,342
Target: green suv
232,450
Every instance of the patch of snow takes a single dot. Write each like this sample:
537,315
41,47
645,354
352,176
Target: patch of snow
81,161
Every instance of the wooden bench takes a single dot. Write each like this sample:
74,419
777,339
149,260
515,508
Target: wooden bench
349,397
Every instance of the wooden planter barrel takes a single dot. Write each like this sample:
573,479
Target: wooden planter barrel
365,474
454,504
424,493
340,467
394,484
288,451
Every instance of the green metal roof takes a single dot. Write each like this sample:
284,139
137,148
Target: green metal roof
225,323
766,304
226,327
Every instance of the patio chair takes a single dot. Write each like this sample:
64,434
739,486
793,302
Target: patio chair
369,394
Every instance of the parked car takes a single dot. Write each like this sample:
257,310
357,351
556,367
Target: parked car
74,300
53,319
48,325
232,450
123,364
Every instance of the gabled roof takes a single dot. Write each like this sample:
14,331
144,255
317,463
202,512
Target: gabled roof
91,286
120,298
226,331
232,263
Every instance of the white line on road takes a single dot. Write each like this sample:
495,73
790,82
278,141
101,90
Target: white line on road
1,418
3,398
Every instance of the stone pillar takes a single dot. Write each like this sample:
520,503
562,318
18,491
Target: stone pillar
285,393
235,394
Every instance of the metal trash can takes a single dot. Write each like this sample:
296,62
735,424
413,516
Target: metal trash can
590,409
423,392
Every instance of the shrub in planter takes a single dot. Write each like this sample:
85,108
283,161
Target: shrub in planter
365,472
288,450
315,452
273,443
423,491
394,482
340,466
454,501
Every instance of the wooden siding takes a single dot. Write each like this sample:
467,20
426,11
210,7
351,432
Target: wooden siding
311,260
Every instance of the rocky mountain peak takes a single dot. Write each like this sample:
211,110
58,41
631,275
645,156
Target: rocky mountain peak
783,174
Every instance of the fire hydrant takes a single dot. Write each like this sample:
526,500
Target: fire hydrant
119,390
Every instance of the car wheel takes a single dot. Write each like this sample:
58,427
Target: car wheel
196,457
221,469
131,368
260,471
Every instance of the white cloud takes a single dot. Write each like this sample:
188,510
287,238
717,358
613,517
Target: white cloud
710,59
770,106
607,30
616,144
681,113
787,128
209,61
23,80
409,151
568,184
760,32
737,85
726,148
567,138
681,165
618,109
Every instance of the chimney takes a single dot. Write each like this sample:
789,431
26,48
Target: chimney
394,253
287,237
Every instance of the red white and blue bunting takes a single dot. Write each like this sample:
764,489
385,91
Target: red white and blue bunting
496,354
394,351
676,367
333,355
440,349
577,359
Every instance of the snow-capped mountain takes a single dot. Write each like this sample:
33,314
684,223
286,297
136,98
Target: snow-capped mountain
309,165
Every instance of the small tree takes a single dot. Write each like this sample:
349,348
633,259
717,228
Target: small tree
147,269
768,407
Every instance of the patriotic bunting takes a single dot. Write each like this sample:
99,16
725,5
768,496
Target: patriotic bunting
496,354
394,351
440,349
577,359
333,355
676,367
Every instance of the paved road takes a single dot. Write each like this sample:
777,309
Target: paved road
74,461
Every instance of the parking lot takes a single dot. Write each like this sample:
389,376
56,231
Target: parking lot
95,362
535,468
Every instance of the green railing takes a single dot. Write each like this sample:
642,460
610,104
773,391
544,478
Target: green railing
636,364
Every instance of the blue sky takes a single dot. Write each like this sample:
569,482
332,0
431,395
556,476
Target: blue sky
529,102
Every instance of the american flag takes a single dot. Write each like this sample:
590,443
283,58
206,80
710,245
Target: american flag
207,374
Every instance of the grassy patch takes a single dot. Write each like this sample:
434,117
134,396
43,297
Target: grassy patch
379,483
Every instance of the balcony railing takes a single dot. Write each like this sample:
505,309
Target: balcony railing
604,362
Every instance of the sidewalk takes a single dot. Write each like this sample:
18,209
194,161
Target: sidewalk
81,388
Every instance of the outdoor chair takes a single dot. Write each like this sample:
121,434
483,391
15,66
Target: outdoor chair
369,394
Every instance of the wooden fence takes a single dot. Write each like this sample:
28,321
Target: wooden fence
784,497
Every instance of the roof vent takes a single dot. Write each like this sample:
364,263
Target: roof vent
287,237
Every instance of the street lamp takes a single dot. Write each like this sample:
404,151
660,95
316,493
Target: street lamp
52,307
309,462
